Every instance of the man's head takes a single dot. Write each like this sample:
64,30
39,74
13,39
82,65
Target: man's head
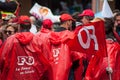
109,24
47,24
86,16
117,18
38,24
25,23
116,11
117,23
66,20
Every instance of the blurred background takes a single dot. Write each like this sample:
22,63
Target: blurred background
68,5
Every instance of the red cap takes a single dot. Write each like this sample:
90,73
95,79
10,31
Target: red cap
65,17
47,23
24,20
87,12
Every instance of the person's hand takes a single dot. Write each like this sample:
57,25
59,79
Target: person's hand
109,70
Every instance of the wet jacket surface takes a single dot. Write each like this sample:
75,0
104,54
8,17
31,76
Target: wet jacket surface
20,59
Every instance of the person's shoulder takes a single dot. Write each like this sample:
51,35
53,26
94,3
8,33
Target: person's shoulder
113,43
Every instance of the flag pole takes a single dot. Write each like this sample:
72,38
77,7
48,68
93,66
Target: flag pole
110,76
107,13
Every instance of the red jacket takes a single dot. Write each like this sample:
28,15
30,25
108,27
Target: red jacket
117,36
78,72
58,53
43,33
97,67
1,43
21,59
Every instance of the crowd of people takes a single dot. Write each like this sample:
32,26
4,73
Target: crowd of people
35,49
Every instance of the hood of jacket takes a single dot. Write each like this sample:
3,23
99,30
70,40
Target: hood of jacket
24,37
60,37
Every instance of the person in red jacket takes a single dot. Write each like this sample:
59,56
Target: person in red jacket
65,22
21,58
116,28
106,68
46,26
25,23
57,51
45,29
59,55
86,16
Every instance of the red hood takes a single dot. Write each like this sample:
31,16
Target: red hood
44,30
60,37
24,37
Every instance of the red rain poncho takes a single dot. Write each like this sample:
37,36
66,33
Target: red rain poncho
97,67
58,53
21,59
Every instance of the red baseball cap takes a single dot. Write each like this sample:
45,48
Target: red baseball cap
47,23
65,17
87,12
24,19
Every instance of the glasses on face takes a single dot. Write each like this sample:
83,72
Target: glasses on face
8,31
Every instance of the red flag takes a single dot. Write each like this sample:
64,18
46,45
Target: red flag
90,39
97,66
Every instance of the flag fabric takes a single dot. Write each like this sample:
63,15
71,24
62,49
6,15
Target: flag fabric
97,66
106,10
90,39
43,13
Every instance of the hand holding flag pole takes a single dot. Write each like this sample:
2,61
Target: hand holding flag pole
107,13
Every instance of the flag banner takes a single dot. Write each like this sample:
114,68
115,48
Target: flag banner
90,39
42,12
106,10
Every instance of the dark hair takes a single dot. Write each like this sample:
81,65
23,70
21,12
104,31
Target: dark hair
75,16
116,11
38,23
89,17
14,25
117,14
63,12
109,24
25,27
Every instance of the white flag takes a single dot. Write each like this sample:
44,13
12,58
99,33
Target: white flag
42,12
106,10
